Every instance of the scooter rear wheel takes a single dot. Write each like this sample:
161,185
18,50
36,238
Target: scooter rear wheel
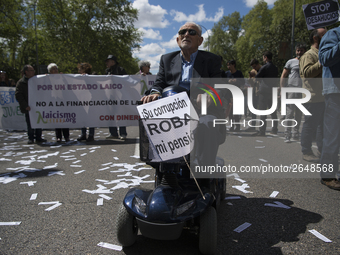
126,226
208,231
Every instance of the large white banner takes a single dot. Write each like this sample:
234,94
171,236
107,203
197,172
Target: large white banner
75,101
169,124
10,114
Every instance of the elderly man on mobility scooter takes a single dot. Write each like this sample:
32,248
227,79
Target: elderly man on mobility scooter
163,212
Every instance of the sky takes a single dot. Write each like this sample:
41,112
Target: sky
160,21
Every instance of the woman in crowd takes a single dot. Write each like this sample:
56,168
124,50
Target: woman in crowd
86,68
53,69
144,68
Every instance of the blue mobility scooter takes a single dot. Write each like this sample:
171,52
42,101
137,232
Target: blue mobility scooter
177,202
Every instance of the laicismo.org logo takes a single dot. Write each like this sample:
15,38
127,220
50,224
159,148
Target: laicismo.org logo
55,117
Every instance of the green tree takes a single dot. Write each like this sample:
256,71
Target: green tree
224,36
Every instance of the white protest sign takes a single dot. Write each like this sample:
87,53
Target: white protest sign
10,114
169,123
75,101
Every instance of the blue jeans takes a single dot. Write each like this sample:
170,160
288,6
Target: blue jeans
312,126
32,133
114,131
331,135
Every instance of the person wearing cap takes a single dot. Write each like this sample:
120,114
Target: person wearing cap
113,68
144,67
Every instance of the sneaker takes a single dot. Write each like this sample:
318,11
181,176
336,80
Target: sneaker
82,138
287,139
296,137
41,140
112,137
30,142
90,138
122,137
331,183
310,157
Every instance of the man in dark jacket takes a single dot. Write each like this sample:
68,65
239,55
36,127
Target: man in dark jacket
21,95
114,69
268,70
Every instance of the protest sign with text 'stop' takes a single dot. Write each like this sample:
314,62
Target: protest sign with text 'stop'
321,14
169,124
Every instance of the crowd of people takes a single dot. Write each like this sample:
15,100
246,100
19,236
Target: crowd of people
313,69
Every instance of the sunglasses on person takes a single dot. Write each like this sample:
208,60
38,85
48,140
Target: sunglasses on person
184,31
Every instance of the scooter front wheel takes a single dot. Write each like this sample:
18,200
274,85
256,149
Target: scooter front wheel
208,231
126,226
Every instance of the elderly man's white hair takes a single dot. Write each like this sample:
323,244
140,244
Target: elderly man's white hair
143,63
196,25
50,66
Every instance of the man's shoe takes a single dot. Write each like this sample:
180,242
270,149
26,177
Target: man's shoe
331,183
82,138
112,137
90,138
287,139
310,157
41,140
30,142
296,137
122,137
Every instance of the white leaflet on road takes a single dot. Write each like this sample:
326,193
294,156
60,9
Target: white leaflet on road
80,149
92,151
12,223
54,204
70,159
106,164
100,201
79,171
105,197
239,136
30,183
115,158
67,156
75,162
49,155
235,175
5,159
232,197
127,174
52,166
34,196
134,156
229,203
320,236
240,180
242,188
259,147
259,141
110,246
82,155
263,160
75,166
39,151
57,172
274,194
105,168
93,148
242,227
277,204
99,180
113,150
55,146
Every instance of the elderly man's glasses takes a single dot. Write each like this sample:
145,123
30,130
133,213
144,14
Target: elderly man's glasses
184,31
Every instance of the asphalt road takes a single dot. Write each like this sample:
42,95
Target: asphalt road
63,199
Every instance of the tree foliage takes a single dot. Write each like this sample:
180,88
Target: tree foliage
262,29
68,32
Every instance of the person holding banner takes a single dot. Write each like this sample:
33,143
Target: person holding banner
53,69
21,95
113,68
86,68
178,68
329,57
